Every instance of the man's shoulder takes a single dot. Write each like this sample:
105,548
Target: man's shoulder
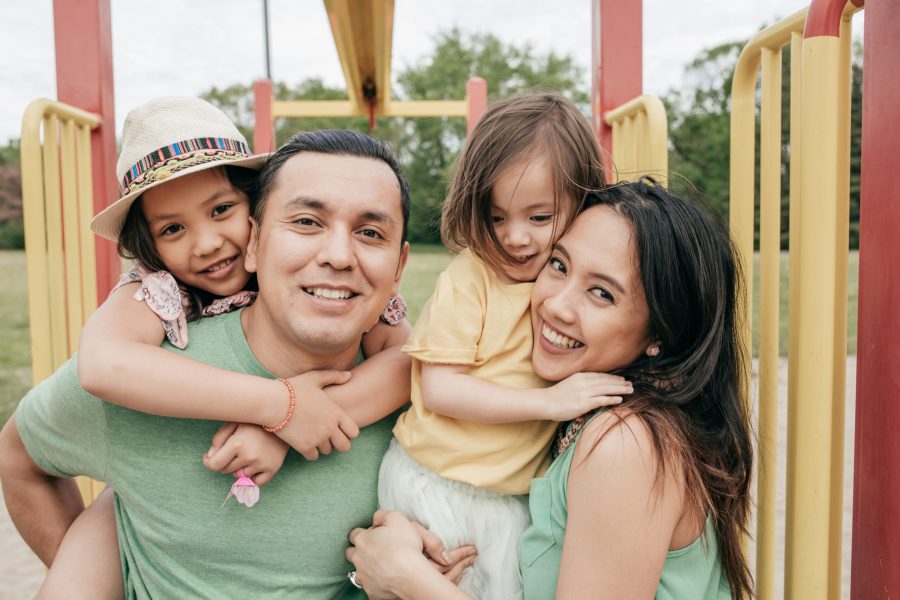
220,341
209,332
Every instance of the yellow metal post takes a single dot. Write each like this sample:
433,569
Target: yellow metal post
71,235
769,282
763,50
86,238
34,217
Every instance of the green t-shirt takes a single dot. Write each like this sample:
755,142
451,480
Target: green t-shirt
176,539
690,573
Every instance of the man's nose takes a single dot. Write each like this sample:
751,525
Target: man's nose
337,251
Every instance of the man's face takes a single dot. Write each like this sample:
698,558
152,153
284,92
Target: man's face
327,253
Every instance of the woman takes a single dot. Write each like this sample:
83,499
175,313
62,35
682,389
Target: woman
648,499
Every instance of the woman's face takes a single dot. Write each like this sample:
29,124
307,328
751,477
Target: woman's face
588,308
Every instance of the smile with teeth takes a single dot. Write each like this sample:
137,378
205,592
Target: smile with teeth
558,339
330,293
220,265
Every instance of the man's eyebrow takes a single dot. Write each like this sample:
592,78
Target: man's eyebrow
377,216
305,202
612,281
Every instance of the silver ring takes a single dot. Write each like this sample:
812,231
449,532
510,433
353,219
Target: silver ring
352,577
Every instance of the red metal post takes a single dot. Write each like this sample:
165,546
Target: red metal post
84,78
876,519
617,57
476,96
264,125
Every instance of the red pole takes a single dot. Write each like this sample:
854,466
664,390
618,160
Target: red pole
476,96
875,564
617,57
84,78
264,125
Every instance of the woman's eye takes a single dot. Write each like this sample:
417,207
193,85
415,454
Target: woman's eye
221,209
171,229
557,265
599,292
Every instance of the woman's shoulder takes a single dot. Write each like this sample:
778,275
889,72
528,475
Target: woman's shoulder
614,431
619,440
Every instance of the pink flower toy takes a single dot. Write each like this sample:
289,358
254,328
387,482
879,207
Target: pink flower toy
246,492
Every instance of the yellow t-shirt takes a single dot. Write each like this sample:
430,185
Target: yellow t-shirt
473,319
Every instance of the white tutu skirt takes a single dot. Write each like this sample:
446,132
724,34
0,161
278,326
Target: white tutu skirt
460,514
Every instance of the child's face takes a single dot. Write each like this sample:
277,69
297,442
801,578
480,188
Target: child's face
524,219
200,225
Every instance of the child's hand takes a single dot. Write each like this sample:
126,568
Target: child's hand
583,392
319,425
248,447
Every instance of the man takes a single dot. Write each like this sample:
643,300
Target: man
332,215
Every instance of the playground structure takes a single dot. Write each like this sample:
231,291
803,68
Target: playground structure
68,156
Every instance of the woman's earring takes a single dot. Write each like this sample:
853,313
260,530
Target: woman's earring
653,351
395,311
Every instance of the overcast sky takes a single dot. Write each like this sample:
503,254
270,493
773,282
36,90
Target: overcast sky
186,46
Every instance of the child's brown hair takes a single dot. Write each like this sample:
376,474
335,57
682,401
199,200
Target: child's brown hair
519,128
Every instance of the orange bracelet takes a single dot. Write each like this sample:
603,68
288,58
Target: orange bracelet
291,408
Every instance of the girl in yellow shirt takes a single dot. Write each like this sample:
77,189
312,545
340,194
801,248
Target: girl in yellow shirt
481,421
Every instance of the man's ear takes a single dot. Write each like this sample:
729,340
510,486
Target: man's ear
252,247
401,264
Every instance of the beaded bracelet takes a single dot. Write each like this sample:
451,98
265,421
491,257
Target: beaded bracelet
291,408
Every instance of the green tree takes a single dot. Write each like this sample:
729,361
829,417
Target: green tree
699,116
9,154
428,146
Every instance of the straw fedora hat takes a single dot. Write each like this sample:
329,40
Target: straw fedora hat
166,138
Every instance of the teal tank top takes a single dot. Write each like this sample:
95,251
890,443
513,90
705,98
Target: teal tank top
690,573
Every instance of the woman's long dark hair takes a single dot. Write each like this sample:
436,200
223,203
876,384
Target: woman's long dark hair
136,240
692,396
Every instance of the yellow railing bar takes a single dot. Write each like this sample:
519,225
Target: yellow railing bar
819,197
71,235
815,469
345,108
766,45
85,202
53,208
769,283
57,192
640,138
57,238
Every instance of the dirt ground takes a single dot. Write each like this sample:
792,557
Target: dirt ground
21,572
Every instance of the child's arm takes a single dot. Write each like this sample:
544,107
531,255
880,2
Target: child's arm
121,362
447,390
87,563
380,384
240,446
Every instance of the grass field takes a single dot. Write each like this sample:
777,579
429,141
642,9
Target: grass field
425,263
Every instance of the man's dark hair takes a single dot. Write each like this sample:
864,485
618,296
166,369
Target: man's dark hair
341,142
